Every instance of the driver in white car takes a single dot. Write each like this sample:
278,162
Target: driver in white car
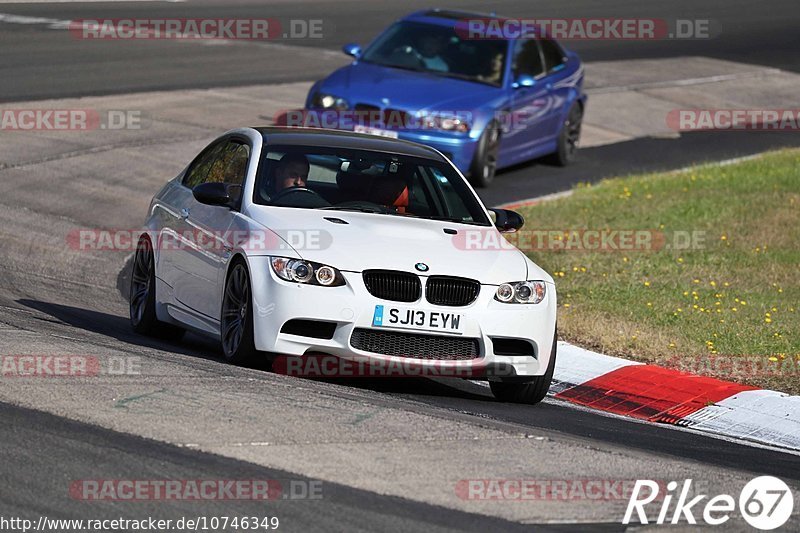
292,171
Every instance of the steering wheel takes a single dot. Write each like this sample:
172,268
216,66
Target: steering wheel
407,56
304,193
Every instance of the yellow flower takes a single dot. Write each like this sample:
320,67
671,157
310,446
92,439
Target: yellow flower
773,359
646,283
649,304
767,320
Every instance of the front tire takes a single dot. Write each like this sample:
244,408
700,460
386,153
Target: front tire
236,322
531,392
484,164
569,137
142,299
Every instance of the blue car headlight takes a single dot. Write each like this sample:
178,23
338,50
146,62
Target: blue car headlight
446,123
521,292
306,272
329,101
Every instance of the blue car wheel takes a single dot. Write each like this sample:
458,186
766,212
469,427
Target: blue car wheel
484,164
569,136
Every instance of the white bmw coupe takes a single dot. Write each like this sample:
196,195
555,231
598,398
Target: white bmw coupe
293,242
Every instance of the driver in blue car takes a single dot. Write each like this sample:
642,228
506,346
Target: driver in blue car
430,49
292,171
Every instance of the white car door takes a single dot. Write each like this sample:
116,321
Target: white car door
201,261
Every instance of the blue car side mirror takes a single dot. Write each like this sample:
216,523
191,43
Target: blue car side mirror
524,80
352,49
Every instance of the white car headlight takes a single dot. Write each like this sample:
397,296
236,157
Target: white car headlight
521,292
329,101
306,272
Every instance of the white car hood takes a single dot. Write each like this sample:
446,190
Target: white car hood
371,241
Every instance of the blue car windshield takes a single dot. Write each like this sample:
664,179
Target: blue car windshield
439,50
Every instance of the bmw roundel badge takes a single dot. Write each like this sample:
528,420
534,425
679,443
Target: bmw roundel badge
422,267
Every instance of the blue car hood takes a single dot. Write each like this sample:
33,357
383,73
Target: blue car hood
405,89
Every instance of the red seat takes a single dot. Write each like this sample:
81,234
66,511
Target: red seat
391,191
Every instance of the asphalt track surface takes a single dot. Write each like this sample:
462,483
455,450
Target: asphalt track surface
42,452
37,62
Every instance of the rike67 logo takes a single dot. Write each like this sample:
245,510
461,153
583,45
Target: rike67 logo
765,503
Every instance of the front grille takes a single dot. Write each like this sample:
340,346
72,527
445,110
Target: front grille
413,346
366,114
445,290
396,119
393,285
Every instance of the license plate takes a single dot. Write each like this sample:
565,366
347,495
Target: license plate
375,131
386,316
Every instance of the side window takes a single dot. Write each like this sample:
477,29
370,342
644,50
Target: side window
527,59
237,167
199,170
230,165
553,54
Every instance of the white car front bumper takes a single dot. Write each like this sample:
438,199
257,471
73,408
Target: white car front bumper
351,307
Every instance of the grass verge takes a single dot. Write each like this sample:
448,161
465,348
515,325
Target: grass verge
709,281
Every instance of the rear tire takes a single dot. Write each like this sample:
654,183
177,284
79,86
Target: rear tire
569,137
142,299
484,164
531,392
236,320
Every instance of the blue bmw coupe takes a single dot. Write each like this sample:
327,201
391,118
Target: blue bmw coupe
485,100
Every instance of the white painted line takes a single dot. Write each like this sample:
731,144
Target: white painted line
685,82
537,199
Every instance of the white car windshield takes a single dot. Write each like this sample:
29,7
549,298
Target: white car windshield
365,181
